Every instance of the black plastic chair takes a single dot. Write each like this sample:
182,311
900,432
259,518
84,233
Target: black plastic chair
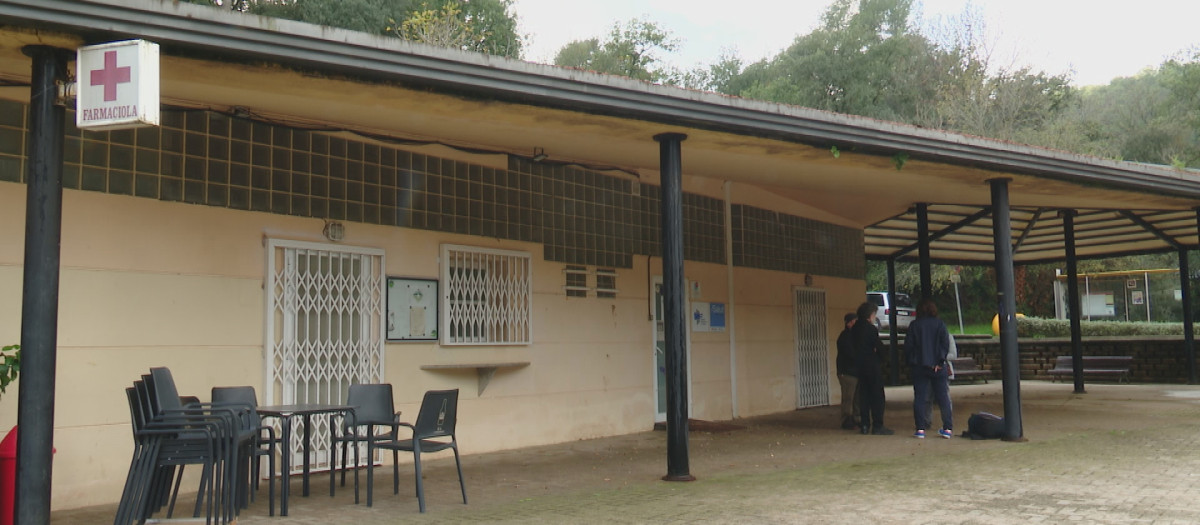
432,432
263,441
165,439
373,408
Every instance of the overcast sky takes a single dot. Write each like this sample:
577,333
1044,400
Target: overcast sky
1096,39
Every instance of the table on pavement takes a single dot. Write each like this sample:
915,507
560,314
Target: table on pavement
285,413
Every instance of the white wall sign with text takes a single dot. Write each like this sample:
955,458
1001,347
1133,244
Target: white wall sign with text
117,85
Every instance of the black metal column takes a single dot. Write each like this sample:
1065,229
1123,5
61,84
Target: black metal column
894,339
1068,217
39,300
1010,357
675,315
923,251
1185,289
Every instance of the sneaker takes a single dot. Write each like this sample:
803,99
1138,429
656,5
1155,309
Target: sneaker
920,434
946,433
881,431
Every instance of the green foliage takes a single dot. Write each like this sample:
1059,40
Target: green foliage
492,25
716,77
1037,327
977,289
1152,117
833,150
865,59
899,159
486,26
367,16
10,365
630,50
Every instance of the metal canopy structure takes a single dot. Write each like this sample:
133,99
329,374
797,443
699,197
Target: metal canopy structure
961,234
845,170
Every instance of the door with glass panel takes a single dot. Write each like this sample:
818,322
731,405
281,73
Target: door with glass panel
660,354
325,327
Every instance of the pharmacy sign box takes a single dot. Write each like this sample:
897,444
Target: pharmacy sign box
117,85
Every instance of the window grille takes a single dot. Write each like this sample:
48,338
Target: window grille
606,283
576,281
486,297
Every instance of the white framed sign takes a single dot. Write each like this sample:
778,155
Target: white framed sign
412,309
117,85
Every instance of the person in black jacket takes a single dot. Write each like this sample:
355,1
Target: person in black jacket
927,347
847,376
868,354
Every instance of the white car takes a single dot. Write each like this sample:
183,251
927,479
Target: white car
905,311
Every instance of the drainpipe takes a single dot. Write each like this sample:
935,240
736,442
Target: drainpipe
925,268
674,322
729,321
39,300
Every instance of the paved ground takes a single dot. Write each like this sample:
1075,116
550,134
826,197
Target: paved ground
1118,454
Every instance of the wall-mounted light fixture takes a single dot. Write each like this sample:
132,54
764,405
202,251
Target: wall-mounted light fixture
539,155
334,231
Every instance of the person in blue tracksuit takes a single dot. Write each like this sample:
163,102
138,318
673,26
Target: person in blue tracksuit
926,349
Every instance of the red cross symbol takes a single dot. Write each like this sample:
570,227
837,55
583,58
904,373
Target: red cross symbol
110,76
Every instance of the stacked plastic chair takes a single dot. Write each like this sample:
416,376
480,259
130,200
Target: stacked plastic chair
262,443
167,437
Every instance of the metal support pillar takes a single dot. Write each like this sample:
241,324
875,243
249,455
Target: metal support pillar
675,315
1010,357
923,251
894,339
1185,290
1073,306
39,298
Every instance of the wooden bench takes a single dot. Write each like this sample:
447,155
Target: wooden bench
1106,366
966,369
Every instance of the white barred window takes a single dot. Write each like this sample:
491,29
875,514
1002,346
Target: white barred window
486,296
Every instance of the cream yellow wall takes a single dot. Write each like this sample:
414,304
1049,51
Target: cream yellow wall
149,283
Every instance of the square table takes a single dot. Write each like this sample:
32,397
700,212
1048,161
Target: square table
285,413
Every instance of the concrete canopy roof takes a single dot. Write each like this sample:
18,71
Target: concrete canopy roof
333,79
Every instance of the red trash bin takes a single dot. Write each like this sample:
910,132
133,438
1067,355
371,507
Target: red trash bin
8,476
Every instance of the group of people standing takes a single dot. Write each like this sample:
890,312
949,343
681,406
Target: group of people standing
928,348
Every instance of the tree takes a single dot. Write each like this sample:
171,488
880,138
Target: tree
367,16
485,26
718,76
630,50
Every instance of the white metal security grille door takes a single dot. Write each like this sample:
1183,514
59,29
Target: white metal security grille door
325,327
812,348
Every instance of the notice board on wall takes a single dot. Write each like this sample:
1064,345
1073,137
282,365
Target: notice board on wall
412,309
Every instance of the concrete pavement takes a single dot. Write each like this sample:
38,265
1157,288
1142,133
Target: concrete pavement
1118,454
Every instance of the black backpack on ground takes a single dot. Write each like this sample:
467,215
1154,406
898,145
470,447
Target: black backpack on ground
983,425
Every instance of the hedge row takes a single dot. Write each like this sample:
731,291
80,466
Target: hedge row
1036,327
